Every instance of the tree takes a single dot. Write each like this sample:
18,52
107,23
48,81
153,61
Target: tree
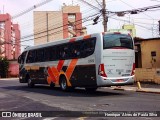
4,65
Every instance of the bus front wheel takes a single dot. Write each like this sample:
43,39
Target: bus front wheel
30,83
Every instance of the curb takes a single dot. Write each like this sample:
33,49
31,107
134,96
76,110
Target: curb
146,91
137,90
122,89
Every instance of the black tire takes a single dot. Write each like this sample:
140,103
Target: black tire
63,84
91,89
30,83
52,85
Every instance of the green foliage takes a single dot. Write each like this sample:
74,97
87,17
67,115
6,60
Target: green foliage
4,65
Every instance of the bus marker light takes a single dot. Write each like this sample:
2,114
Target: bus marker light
133,69
101,70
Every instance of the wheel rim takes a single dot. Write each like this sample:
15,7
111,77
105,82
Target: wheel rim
63,84
29,82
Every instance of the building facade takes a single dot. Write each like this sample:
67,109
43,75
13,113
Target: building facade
147,60
56,25
147,52
126,29
9,41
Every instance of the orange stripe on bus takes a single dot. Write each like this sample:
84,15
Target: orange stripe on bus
60,65
53,74
72,40
86,37
71,68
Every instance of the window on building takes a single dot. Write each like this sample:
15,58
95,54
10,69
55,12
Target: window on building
71,16
153,53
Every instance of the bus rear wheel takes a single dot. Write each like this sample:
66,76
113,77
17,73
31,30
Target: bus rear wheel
63,84
30,83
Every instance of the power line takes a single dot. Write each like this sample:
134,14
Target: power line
90,5
133,23
31,8
85,20
57,32
98,3
134,8
55,24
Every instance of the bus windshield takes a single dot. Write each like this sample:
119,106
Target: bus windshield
117,40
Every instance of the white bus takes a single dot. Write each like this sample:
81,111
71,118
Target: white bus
91,61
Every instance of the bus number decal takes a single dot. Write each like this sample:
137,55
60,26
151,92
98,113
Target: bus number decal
91,61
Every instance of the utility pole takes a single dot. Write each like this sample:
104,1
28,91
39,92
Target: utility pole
47,25
105,18
159,27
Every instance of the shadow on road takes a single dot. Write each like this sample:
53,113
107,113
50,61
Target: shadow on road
78,92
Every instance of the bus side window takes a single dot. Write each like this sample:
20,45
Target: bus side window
58,52
72,50
46,54
21,58
41,55
87,47
77,51
91,46
66,51
61,52
31,56
52,53
83,48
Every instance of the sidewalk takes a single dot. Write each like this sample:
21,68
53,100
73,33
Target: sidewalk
146,88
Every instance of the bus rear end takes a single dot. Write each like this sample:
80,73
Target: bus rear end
117,65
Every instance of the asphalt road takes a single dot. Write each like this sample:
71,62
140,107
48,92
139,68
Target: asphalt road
15,96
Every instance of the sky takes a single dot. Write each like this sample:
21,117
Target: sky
146,23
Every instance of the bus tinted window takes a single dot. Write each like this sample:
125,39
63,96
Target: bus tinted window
21,58
46,54
117,40
31,57
73,50
87,47
40,55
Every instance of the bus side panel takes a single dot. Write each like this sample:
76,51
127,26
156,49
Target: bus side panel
38,76
98,56
84,75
